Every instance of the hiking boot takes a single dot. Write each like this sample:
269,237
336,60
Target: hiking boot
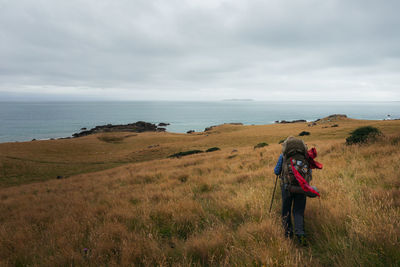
302,240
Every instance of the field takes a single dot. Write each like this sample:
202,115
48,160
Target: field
122,201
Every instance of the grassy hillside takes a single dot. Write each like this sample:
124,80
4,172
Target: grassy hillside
27,162
204,209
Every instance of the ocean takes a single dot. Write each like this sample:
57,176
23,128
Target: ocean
24,121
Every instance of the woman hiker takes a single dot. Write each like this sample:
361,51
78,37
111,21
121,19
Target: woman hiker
294,169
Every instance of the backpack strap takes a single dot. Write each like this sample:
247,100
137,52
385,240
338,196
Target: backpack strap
285,171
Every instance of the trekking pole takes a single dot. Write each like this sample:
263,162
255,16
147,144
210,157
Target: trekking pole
273,194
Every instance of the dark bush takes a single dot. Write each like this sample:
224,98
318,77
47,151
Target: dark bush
363,135
281,141
303,133
259,145
213,149
185,153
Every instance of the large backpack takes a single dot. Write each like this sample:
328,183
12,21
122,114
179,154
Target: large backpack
294,149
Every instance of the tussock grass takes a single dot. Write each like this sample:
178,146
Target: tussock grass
211,209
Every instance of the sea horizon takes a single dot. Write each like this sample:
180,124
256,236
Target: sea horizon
190,100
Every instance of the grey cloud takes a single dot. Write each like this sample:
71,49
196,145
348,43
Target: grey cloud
187,49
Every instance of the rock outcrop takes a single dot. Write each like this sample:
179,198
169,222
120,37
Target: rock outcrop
137,127
284,121
331,118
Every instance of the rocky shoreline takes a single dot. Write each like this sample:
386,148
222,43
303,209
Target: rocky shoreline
137,127
142,126
329,118
285,121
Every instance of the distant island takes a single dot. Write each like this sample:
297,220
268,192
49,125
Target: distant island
239,99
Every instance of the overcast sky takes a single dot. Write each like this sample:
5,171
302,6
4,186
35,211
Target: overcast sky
199,49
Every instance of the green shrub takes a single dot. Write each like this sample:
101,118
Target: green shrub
213,149
303,133
281,141
363,135
259,145
185,153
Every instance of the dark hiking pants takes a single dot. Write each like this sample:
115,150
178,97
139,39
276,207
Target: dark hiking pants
298,201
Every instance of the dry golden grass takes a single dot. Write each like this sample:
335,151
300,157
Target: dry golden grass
22,163
206,209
